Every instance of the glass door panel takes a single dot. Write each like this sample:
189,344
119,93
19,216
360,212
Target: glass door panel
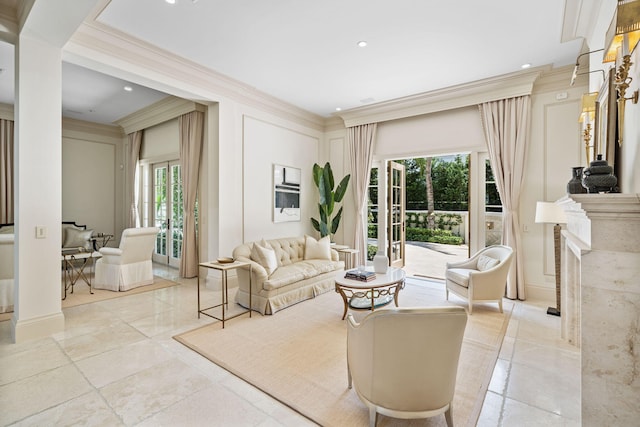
167,212
396,222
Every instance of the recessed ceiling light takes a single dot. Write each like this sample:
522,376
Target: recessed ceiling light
338,109
128,88
527,65
171,1
362,43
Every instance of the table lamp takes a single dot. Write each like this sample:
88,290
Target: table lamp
550,213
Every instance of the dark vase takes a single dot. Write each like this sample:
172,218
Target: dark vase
599,177
574,186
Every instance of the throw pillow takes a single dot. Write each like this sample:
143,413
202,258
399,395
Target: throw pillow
265,256
317,249
486,262
74,238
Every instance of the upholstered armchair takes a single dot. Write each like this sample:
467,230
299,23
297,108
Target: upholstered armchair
402,362
6,272
128,266
482,277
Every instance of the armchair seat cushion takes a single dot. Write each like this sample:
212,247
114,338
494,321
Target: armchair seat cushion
459,276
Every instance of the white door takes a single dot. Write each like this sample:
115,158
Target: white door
167,212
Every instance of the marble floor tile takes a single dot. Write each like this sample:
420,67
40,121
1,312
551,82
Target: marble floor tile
34,394
114,365
108,338
518,414
32,361
152,390
86,410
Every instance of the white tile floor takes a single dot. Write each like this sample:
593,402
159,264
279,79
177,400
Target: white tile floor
116,364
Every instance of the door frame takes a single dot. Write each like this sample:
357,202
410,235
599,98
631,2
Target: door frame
167,259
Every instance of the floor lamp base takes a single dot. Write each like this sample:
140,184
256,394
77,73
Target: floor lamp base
553,311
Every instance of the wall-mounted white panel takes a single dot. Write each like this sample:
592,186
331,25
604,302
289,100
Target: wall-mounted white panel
446,132
161,140
88,184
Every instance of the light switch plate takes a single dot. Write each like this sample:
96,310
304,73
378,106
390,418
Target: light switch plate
41,232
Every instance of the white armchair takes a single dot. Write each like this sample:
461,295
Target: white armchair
402,362
128,266
6,272
482,277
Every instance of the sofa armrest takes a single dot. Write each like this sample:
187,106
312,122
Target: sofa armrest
111,255
258,275
335,256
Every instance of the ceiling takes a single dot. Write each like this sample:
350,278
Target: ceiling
305,52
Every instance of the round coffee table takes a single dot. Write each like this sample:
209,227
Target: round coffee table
370,295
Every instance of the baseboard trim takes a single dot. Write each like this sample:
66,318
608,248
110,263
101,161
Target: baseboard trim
541,293
39,327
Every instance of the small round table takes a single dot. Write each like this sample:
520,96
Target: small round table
360,295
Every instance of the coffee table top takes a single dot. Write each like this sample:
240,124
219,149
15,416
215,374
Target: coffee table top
392,276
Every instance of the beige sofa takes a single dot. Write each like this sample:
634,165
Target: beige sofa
294,279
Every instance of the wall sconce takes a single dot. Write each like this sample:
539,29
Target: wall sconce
587,116
620,41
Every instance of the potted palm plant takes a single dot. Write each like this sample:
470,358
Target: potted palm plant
323,178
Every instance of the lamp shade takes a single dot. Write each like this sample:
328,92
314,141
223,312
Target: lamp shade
550,213
588,107
624,31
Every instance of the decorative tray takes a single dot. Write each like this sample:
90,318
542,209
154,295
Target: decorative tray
225,260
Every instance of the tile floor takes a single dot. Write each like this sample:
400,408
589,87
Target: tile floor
116,364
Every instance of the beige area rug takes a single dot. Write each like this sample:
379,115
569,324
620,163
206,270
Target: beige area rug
81,294
298,356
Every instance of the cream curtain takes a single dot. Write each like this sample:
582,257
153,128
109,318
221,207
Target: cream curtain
135,141
6,171
191,127
506,128
361,141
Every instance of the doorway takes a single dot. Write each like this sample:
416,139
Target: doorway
167,212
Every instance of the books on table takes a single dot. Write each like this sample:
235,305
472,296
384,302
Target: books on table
361,275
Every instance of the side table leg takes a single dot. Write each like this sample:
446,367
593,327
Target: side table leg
198,287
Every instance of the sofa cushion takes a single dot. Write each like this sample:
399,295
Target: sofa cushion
317,249
300,270
265,256
459,276
75,238
486,262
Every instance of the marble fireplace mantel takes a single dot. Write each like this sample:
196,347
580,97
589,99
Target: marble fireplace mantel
601,302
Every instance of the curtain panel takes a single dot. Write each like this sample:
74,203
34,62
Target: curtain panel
135,141
361,140
506,127
6,171
191,128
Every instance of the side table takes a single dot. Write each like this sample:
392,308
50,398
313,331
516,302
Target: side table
223,268
74,262
349,257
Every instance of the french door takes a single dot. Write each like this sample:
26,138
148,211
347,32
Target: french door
395,210
167,212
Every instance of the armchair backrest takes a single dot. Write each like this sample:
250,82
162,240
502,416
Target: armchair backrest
406,359
6,256
500,252
137,244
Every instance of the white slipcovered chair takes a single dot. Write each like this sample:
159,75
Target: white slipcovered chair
6,272
128,266
483,277
402,362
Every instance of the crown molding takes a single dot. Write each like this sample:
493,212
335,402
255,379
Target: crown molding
463,95
74,125
8,21
166,109
559,78
105,49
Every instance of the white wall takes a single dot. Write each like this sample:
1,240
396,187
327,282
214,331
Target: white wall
266,144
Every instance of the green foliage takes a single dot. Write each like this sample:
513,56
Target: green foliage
328,197
433,236
371,252
450,180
